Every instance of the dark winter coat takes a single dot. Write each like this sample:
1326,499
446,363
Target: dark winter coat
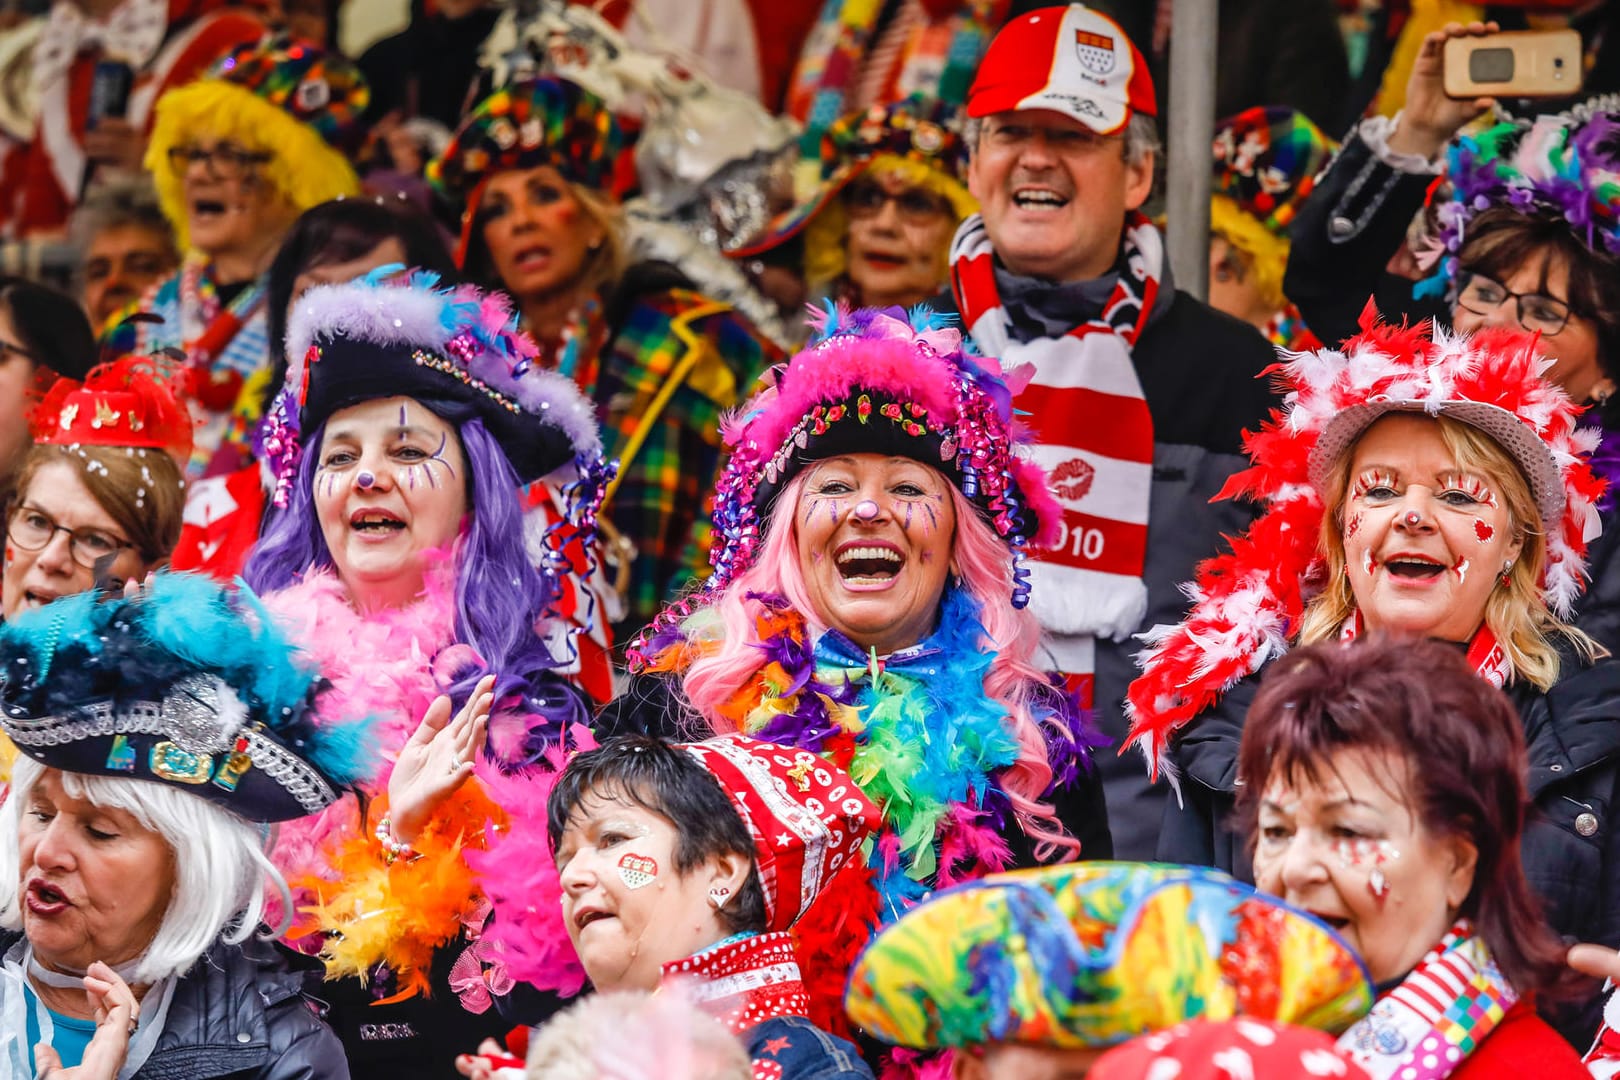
247,1012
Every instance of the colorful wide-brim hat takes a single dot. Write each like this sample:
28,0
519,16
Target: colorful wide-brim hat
1565,167
1239,1049
136,402
538,122
392,336
1247,601
293,101
807,817
187,684
919,136
1092,954
1267,160
884,382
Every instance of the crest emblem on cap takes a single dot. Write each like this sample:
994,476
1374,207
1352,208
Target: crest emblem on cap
1096,52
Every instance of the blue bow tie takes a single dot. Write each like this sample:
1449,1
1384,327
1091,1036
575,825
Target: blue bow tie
836,652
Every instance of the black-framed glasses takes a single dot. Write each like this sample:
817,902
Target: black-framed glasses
1536,312
223,162
32,529
867,198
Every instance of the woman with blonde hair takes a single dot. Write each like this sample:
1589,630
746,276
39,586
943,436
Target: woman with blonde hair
1428,486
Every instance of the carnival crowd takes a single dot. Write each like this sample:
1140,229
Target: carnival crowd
700,539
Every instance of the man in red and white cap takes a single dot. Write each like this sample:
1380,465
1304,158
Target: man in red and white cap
1140,392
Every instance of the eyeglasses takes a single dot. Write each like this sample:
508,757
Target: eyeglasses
866,199
1536,312
223,162
32,529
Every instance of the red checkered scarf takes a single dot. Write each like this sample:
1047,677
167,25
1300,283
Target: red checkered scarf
1094,432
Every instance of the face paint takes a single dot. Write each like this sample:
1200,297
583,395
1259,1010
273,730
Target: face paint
1367,563
1469,485
1483,531
637,871
933,514
1372,479
10,554
1353,528
1461,570
1361,851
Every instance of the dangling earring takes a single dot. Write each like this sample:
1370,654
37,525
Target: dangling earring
1506,576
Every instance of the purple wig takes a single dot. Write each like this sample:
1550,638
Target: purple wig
500,596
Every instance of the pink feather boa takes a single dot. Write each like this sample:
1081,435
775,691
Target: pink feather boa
380,665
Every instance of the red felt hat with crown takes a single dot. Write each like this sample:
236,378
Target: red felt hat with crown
1247,602
134,402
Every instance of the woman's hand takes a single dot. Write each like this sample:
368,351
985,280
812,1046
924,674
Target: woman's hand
1595,960
116,1012
437,760
1429,118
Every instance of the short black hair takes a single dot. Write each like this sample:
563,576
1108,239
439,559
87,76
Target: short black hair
659,776
338,231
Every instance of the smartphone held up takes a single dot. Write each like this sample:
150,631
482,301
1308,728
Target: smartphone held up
1514,64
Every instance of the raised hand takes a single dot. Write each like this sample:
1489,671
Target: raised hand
437,759
116,1012
1429,118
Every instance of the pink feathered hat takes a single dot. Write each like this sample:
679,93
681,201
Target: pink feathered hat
1247,603
887,382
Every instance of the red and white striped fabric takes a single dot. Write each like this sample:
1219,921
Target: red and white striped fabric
583,616
1093,432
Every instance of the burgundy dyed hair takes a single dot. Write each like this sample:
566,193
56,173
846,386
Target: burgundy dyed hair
1461,739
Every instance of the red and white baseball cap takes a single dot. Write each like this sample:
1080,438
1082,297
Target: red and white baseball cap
1071,60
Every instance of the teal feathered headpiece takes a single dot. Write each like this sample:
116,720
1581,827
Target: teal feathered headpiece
188,684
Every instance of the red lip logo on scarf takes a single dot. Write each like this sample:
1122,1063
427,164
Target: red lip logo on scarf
1072,479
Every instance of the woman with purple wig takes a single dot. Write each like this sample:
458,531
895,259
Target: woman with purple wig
397,558
867,604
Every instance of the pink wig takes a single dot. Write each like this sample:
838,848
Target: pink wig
981,561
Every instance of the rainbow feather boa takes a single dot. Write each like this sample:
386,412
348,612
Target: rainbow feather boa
919,734
361,912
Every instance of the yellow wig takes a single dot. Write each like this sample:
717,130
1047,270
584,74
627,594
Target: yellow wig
826,254
1267,252
304,168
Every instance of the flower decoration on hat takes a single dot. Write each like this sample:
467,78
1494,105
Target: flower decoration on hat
538,122
188,684
135,402
1247,603
918,138
1565,167
292,103
807,817
1086,955
1266,162
881,381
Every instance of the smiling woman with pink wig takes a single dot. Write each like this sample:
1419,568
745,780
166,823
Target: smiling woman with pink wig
867,604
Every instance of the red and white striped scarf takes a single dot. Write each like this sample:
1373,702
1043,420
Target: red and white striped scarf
1094,437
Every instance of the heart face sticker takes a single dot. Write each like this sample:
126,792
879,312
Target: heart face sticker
638,871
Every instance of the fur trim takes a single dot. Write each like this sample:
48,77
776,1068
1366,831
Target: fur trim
1247,602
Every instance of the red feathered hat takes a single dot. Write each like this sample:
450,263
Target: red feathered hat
135,402
1247,603
807,817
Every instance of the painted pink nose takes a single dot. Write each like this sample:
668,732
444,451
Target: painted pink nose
866,509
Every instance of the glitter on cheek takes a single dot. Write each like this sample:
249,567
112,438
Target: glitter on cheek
1483,531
